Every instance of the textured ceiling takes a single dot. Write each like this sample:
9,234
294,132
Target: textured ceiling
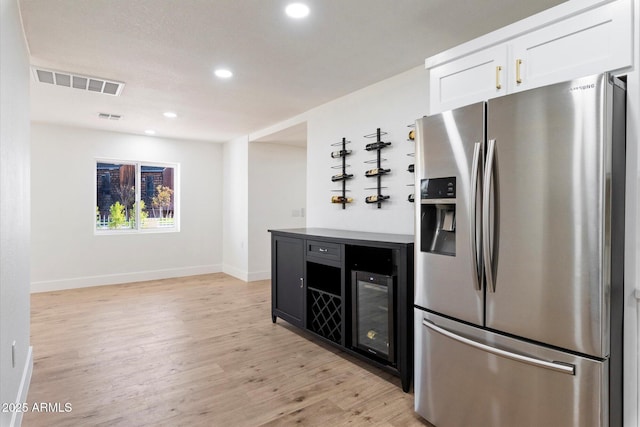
165,52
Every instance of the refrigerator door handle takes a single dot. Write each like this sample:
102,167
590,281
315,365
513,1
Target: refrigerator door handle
554,366
473,198
486,210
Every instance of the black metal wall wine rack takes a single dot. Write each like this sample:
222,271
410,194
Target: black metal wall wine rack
377,173
343,176
411,168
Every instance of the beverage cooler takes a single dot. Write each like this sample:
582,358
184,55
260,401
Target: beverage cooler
373,320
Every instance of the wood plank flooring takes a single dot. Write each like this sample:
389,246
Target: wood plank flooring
195,351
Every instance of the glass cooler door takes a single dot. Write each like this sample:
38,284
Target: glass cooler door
373,320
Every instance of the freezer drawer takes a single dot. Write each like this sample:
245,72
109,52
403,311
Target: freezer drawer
465,376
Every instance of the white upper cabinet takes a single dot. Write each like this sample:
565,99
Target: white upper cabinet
575,39
475,77
593,42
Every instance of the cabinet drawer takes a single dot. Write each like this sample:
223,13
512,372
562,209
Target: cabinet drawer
324,250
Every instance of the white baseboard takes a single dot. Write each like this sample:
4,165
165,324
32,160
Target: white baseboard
114,279
259,275
245,276
16,417
235,272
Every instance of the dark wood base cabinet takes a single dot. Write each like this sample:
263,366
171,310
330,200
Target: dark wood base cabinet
351,289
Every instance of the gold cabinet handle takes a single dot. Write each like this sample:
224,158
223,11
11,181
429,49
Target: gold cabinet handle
498,69
518,76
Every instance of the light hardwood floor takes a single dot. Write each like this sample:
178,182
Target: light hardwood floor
195,351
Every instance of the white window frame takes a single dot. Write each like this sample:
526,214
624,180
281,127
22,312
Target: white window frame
138,184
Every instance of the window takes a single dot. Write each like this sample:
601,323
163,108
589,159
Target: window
136,196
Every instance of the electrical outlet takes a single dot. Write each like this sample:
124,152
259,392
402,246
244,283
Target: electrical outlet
13,354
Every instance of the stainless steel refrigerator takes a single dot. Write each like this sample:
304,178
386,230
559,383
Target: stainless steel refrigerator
519,259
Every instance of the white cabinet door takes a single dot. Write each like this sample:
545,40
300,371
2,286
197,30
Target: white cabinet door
470,79
592,42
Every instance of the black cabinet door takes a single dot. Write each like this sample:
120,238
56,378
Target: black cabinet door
287,275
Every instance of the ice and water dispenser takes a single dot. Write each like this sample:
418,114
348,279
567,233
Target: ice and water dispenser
438,216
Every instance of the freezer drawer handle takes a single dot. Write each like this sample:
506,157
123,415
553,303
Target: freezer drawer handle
554,366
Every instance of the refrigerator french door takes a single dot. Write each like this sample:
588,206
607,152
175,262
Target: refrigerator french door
519,252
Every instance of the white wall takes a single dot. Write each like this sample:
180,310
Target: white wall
277,198
66,253
235,208
14,212
391,105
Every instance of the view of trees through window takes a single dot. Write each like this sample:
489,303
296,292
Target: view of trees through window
132,196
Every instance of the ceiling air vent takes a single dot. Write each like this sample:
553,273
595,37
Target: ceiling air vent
92,84
109,116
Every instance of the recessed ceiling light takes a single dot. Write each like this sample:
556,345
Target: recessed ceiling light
223,73
170,114
297,10
150,132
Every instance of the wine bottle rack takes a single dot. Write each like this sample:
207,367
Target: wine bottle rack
411,137
378,172
343,176
326,317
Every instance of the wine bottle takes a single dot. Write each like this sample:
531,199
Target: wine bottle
411,168
411,198
341,199
376,145
375,199
340,153
376,172
341,176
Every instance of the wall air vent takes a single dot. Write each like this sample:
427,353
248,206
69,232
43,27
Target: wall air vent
108,116
92,84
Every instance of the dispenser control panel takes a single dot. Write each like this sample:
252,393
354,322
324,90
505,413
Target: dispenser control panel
438,188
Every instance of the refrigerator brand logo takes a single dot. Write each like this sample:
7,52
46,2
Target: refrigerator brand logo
583,87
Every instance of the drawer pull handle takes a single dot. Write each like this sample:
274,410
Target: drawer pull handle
498,69
323,250
554,366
